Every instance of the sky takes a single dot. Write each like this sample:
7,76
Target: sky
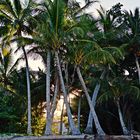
127,5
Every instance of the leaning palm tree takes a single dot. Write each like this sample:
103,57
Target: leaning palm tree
89,127
17,18
96,121
79,54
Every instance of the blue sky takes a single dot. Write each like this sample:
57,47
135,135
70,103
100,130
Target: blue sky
127,4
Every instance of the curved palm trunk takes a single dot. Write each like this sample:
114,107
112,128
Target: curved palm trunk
89,127
29,129
74,130
138,67
96,121
125,130
48,130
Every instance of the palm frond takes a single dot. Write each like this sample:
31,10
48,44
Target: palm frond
116,52
105,97
102,56
134,91
9,9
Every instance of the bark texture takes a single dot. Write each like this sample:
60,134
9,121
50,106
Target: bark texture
29,129
54,102
48,130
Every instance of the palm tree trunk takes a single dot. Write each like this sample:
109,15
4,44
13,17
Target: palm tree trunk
125,130
67,87
89,127
61,120
138,67
79,111
96,121
74,130
48,130
54,103
29,129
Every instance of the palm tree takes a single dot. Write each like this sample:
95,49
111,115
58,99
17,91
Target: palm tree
118,89
17,17
107,37
53,19
89,52
80,54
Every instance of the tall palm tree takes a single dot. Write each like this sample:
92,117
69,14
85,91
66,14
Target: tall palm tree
17,17
51,32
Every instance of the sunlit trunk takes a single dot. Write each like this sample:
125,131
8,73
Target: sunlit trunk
96,121
138,67
125,130
74,130
29,129
89,127
61,120
48,130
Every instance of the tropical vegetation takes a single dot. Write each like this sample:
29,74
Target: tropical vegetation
95,60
